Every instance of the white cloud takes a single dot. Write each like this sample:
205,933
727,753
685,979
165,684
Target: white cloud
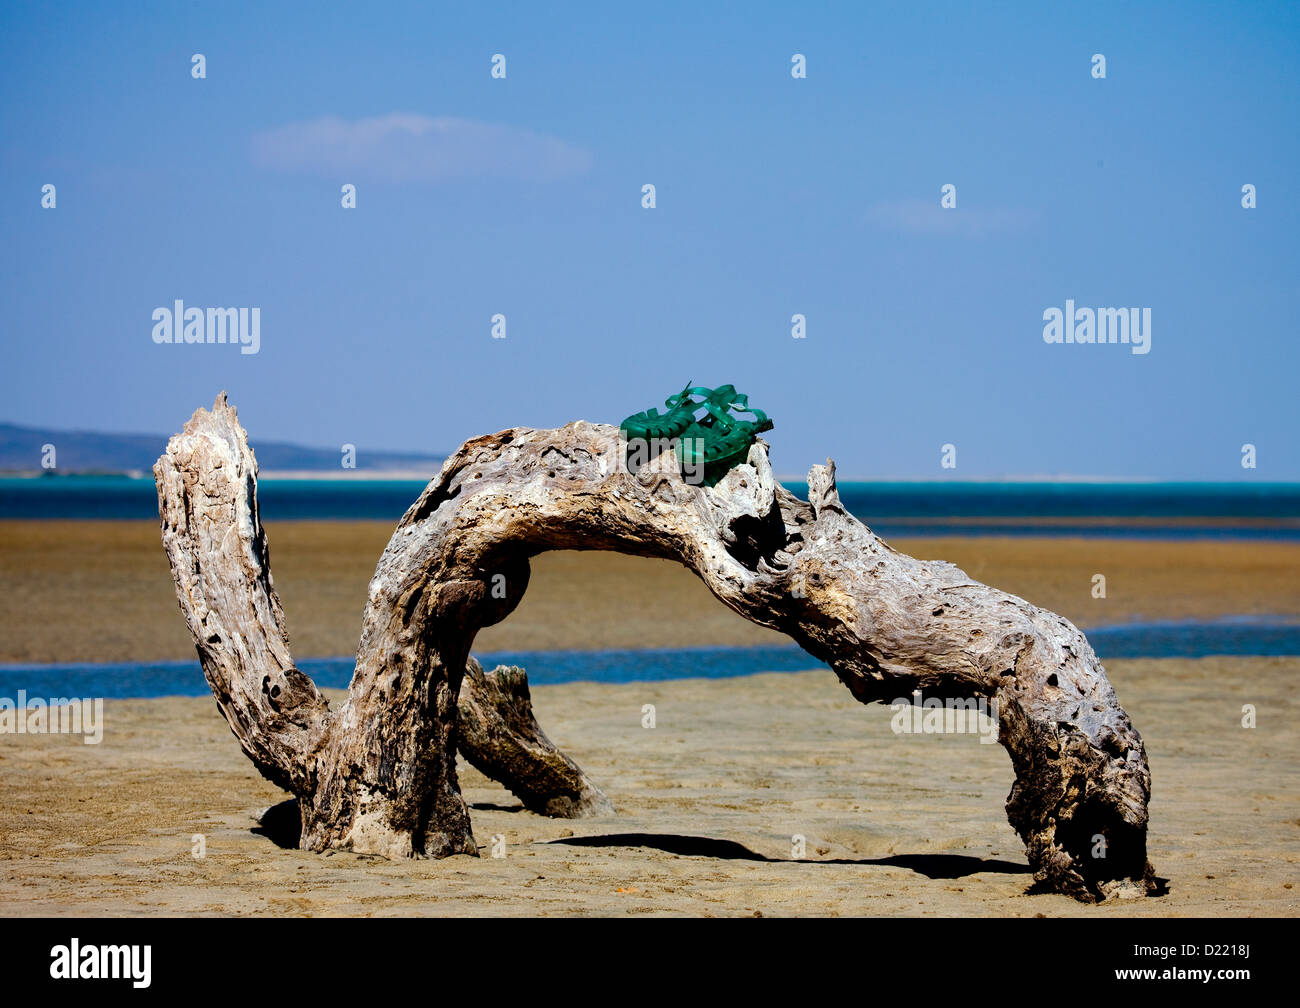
921,216
403,148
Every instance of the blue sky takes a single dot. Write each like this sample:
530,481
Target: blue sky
775,196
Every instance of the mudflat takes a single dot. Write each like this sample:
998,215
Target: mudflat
87,591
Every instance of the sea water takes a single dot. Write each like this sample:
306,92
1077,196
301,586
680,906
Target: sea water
1143,510
1184,639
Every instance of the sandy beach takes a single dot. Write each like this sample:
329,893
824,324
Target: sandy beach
707,804
708,801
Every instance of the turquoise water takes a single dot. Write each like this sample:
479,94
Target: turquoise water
1239,636
1243,510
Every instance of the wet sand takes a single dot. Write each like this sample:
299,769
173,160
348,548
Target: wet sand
101,591
708,802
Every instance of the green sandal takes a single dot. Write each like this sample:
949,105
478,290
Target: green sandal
714,443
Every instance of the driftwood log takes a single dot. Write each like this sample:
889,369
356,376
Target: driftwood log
379,774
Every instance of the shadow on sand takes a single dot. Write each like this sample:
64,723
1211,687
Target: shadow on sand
282,825
935,866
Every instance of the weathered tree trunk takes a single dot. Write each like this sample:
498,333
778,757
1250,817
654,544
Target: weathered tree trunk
379,775
211,530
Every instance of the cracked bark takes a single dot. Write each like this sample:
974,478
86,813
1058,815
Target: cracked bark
379,774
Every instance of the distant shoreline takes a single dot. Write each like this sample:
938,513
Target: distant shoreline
424,476
295,475
1144,510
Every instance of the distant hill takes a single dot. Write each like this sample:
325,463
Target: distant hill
89,451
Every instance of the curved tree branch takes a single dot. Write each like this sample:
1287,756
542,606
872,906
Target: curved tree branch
217,548
379,775
213,535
